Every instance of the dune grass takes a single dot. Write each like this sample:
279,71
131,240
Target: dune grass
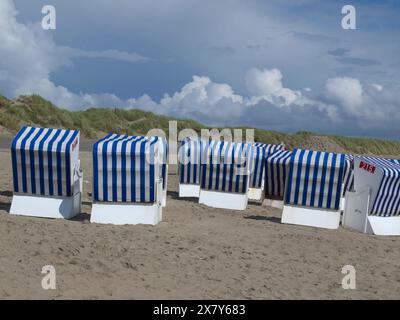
96,122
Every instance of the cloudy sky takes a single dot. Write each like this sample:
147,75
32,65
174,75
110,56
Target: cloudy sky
278,65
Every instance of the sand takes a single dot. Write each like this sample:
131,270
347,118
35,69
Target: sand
197,252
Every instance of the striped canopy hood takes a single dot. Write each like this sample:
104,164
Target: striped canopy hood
126,168
43,161
315,179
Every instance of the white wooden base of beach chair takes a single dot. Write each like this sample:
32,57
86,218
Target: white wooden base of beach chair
273,203
129,213
223,200
189,191
383,226
255,193
313,217
356,216
46,207
119,214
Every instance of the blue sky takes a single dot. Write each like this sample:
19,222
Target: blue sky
279,65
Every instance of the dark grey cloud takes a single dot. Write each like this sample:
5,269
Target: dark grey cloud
338,52
223,51
256,47
361,62
344,56
315,37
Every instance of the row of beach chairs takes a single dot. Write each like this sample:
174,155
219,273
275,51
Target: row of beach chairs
312,188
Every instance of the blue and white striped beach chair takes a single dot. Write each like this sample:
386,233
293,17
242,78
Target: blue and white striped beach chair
128,179
260,152
314,189
276,169
225,171
190,153
374,205
46,173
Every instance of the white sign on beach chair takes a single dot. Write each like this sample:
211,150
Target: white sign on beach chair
374,205
46,174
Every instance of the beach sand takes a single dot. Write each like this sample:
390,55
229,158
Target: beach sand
197,252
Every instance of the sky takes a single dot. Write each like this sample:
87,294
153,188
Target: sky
277,65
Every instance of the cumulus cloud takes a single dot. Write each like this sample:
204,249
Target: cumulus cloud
29,55
267,84
347,91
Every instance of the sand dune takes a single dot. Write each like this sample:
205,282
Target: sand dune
196,253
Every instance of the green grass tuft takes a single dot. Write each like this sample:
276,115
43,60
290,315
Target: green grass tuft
96,122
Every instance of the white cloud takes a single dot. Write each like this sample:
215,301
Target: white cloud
202,96
347,91
267,84
28,55
377,86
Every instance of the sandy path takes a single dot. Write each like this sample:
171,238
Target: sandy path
197,252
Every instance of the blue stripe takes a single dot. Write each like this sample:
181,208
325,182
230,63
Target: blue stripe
218,167
340,179
395,195
261,175
105,170
323,177
196,157
256,167
114,183
123,169
314,180
290,177
59,163
396,211
50,161
23,160
298,174
237,177
384,197
142,171
210,178
133,170
271,168
188,166
32,160
331,180
41,162
68,162
304,200
183,162
96,168
225,167
152,180
245,176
